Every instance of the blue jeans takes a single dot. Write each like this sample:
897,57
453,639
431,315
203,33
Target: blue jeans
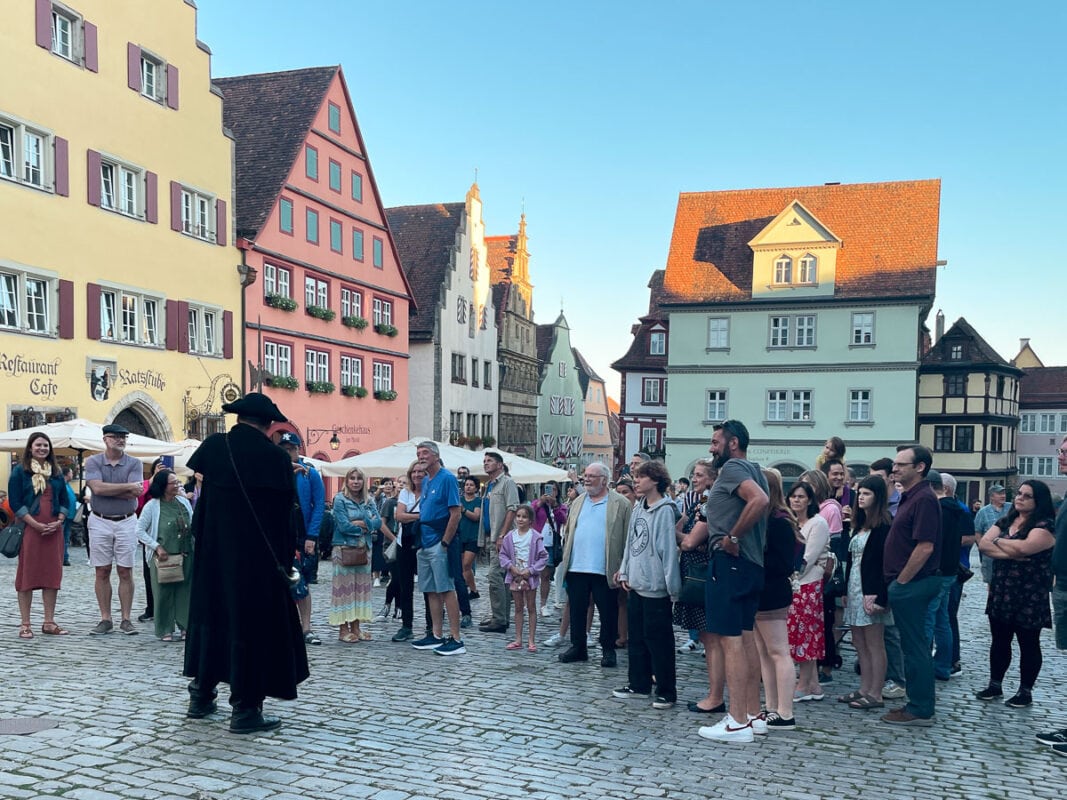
955,595
910,602
939,629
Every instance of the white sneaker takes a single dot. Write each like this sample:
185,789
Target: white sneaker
893,691
377,583
590,641
759,725
545,612
690,646
555,640
727,730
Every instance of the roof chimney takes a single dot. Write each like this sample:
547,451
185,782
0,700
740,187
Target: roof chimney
1023,343
939,326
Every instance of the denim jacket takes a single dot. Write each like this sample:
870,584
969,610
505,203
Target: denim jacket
20,493
344,511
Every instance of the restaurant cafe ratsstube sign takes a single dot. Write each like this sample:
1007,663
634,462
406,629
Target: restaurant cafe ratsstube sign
42,376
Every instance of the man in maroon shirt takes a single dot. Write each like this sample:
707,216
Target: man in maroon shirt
912,559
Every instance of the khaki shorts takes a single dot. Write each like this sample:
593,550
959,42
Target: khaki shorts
112,541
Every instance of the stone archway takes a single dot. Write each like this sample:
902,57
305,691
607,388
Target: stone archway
141,414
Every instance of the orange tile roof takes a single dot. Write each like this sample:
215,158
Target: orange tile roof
500,253
889,233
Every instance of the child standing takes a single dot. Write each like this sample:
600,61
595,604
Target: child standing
523,557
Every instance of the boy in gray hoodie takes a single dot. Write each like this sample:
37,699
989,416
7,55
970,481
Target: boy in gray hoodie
652,578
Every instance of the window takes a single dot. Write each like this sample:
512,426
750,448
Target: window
1063,423
859,405
334,120
805,327
657,343
563,369
459,368
285,216
118,188
1026,465
716,407
131,317
382,311
1028,423
311,162
955,352
23,154
335,176
965,438
383,376
351,303
153,78
25,301
204,330
1045,466
311,220
461,310
196,214
62,35
276,280
649,438
718,333
474,372
357,244
789,406
996,439
600,427
487,425
783,270
455,420
488,380
316,365
943,438
955,385
1046,423
376,258
1000,386
589,425
651,392
863,328
558,405
780,331
357,187
278,359
808,269
336,233
351,370
316,292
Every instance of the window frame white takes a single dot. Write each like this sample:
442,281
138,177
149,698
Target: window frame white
198,211
120,178
351,370
156,67
19,318
657,343
718,334
316,365
860,406
122,298
351,302
649,442
382,311
16,166
780,328
205,329
785,404
720,398
783,270
278,358
651,391
804,333
277,280
382,375
862,327
316,292
1028,422
807,273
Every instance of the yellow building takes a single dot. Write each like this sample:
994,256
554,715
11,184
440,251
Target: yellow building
118,277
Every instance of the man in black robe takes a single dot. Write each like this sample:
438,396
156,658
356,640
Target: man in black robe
243,626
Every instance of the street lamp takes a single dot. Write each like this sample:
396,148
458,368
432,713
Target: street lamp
335,441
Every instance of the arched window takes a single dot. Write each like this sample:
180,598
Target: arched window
808,269
783,269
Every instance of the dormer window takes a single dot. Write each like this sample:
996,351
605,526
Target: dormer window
808,269
783,269
955,352
657,343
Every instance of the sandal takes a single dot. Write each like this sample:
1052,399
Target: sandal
866,703
364,636
531,648
851,697
350,638
25,632
513,646
52,629
168,638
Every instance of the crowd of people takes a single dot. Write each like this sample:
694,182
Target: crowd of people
764,576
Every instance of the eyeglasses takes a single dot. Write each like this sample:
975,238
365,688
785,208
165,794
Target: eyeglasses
903,463
1062,451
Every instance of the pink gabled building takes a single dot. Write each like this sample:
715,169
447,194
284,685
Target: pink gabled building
325,308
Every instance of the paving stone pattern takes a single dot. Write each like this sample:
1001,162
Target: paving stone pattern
383,721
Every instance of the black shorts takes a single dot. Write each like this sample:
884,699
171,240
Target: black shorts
732,595
469,546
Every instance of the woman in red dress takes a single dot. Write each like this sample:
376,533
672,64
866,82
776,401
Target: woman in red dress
39,498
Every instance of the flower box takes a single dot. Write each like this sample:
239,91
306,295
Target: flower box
354,391
322,313
386,329
281,381
385,394
319,387
275,300
359,323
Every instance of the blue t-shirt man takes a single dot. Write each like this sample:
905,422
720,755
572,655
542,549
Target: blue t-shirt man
438,495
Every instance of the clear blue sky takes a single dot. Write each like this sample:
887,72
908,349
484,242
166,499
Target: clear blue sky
597,114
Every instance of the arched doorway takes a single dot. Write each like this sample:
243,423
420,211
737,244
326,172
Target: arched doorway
133,422
140,414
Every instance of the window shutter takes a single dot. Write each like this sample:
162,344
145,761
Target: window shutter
44,24
62,166
171,310
66,310
222,222
92,310
172,86
133,66
175,206
183,327
227,334
92,162
92,60
151,197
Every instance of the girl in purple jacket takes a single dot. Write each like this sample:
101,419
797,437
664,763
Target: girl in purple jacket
523,557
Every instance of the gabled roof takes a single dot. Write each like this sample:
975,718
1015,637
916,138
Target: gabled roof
545,334
425,237
637,358
586,373
1043,387
270,115
500,253
977,352
889,234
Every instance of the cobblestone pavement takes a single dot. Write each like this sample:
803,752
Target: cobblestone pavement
381,720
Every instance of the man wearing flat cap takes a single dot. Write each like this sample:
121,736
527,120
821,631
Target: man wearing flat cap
116,481
243,626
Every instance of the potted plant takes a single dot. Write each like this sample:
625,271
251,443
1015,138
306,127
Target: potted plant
459,440
352,321
275,300
474,442
281,381
354,391
385,394
386,329
321,312
319,387
488,441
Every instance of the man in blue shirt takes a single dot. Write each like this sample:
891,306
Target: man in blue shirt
312,496
438,529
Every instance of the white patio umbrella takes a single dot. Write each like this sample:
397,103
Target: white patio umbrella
79,435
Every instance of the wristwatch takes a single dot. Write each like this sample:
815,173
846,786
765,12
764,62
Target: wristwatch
733,539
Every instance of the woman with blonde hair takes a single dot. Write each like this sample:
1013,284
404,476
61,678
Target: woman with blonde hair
355,519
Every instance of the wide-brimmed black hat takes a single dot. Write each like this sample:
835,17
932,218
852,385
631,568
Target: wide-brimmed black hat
255,404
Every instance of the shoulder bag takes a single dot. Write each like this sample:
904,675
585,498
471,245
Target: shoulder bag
11,536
